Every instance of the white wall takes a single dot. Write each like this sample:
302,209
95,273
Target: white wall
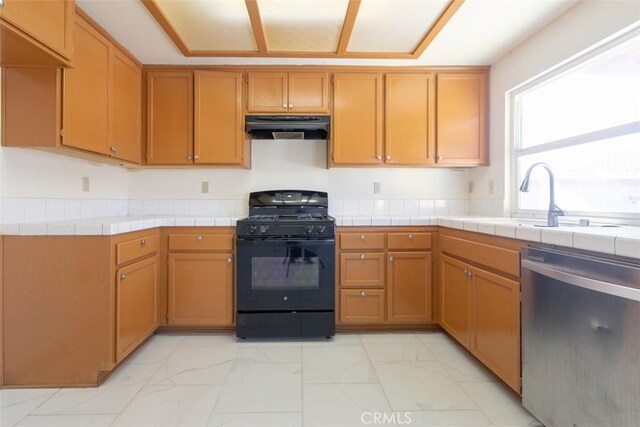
582,26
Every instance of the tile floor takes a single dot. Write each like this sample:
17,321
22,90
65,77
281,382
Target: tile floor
420,379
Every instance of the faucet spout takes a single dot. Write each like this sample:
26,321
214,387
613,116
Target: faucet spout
554,211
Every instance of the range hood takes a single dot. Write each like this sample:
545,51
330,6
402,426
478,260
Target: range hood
287,127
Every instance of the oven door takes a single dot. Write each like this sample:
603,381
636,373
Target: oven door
283,274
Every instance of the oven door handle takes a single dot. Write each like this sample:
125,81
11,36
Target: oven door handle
323,242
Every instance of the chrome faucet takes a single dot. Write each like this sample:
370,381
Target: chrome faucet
554,211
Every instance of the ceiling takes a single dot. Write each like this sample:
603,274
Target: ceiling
335,32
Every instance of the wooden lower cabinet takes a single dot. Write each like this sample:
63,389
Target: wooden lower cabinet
455,299
409,287
362,270
136,305
362,306
200,289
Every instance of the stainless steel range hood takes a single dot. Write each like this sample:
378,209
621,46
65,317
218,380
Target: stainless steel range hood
287,127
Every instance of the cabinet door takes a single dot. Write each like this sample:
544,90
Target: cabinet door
201,289
267,93
455,299
409,287
218,132
461,119
86,92
362,270
125,112
136,305
496,323
309,93
170,118
410,119
361,306
48,22
357,119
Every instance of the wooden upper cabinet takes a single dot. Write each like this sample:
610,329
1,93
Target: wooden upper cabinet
409,287
409,119
455,299
308,93
86,92
219,121
357,119
288,93
170,117
125,108
267,93
462,119
36,32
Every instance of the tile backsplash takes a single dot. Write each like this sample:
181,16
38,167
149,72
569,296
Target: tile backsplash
17,210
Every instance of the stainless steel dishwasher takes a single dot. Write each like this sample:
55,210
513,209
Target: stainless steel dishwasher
580,338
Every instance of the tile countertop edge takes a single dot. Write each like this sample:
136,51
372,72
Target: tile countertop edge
622,241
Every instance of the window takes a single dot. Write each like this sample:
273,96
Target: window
583,120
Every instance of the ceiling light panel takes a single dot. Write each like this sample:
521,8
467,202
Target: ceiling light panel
302,25
394,26
217,25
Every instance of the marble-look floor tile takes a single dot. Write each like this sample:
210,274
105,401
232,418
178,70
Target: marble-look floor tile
335,405
110,398
16,404
499,404
461,366
421,386
157,349
263,354
337,364
262,387
381,348
339,339
271,342
67,421
430,338
448,419
182,405
257,419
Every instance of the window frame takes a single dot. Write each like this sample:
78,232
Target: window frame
514,112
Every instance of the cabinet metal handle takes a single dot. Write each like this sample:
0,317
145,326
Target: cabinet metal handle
229,260
123,277
196,157
284,106
362,237
362,256
290,105
410,236
199,238
379,157
391,258
440,157
188,157
114,149
143,242
388,157
363,294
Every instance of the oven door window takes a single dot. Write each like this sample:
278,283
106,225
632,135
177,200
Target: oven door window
299,269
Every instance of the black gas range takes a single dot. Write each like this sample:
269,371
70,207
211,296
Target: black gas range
285,271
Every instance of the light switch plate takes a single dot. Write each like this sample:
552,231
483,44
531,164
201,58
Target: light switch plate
204,187
377,187
86,184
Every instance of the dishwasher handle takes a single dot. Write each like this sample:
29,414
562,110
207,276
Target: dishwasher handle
583,282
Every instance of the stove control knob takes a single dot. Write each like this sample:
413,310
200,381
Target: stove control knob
263,229
252,229
308,229
321,228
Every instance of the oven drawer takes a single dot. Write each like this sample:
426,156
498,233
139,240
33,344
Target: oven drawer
362,306
359,270
362,241
419,241
200,242
136,248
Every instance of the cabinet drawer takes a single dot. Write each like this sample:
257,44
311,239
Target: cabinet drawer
361,306
359,241
421,241
136,248
504,260
360,270
201,242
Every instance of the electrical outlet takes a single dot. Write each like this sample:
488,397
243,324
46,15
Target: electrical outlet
204,187
471,187
86,184
491,188
377,187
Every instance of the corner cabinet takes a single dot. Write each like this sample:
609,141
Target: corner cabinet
461,123
293,93
36,32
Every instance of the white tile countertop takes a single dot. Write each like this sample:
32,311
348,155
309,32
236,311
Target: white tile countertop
616,240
